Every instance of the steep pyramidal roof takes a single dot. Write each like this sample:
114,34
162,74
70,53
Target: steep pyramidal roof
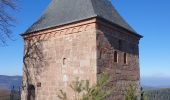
62,12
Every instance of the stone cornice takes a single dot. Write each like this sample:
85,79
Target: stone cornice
62,30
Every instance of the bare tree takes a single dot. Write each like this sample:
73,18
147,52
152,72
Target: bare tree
6,20
34,63
33,55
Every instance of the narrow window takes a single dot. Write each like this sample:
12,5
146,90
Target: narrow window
115,56
64,61
125,58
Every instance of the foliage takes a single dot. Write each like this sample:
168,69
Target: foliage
143,97
159,94
84,91
63,95
131,93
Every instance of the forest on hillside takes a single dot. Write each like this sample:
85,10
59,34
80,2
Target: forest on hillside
159,94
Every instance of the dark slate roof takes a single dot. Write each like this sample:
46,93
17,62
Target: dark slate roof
62,12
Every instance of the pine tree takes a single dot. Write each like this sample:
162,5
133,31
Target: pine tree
83,90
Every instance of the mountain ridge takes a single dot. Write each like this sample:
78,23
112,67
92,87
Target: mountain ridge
148,83
7,82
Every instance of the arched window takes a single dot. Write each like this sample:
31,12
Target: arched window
125,58
31,92
115,57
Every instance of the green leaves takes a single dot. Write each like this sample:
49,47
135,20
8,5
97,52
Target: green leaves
131,93
77,86
63,95
84,91
98,91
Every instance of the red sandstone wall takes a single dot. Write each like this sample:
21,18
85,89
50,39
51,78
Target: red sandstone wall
68,53
78,50
122,74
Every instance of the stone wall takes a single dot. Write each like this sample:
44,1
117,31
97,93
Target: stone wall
66,54
110,40
53,58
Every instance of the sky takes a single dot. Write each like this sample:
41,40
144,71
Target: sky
150,18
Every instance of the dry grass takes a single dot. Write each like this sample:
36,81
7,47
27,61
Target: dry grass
4,92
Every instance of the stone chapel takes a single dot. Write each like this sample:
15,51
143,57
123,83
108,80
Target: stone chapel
79,38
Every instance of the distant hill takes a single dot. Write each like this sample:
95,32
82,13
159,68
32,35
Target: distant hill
7,82
155,82
148,83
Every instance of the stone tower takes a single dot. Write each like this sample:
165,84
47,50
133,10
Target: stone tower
78,38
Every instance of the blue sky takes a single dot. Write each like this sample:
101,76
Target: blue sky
150,18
